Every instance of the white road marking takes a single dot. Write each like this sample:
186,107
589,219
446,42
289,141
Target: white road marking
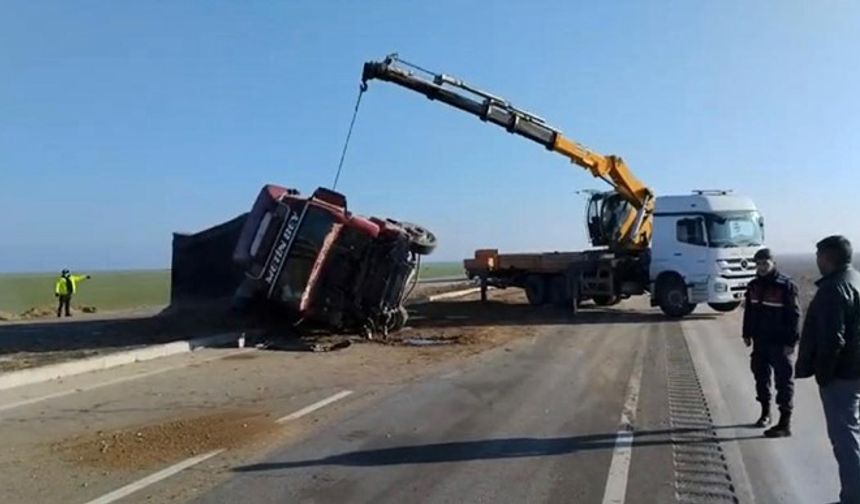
153,478
616,481
315,406
33,400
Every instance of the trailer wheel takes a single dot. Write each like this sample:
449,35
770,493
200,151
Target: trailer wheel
673,298
606,300
725,307
535,288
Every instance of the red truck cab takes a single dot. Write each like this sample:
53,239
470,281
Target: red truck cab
317,261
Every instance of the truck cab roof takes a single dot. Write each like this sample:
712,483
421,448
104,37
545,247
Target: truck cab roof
703,201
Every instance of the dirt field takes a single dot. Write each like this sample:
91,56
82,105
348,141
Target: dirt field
30,295
107,290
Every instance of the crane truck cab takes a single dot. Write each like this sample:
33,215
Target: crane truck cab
313,260
702,250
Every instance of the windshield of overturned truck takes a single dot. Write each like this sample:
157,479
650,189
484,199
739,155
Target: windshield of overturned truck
735,229
302,255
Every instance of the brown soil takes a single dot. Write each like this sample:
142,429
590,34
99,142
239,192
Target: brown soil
42,312
38,312
154,445
468,326
444,330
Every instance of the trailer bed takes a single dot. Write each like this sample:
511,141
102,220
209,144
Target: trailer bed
489,261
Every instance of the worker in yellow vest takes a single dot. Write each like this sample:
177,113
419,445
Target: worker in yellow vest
67,285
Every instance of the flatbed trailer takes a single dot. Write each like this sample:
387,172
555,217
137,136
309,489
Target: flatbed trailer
564,279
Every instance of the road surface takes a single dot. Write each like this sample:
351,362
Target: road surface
621,406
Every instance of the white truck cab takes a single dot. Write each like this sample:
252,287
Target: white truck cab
702,250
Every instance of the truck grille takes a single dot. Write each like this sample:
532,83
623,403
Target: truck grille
739,268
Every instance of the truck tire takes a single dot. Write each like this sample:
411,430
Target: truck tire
606,300
535,288
673,298
559,294
421,241
725,307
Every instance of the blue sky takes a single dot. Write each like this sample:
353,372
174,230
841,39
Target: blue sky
125,121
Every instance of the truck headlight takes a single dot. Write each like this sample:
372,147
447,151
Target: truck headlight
721,287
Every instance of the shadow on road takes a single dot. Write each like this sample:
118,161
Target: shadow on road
491,449
475,313
88,333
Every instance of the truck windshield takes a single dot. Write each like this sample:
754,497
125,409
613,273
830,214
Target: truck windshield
734,229
300,260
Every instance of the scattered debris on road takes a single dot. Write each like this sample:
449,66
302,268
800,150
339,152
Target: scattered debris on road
148,446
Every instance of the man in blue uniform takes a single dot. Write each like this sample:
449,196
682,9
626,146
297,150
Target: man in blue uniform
772,327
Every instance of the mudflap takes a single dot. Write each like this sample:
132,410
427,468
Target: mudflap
574,277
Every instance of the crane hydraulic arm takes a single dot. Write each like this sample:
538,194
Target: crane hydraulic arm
624,217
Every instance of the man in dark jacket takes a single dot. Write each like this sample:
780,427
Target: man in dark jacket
830,351
771,326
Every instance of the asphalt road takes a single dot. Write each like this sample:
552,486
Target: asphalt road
546,417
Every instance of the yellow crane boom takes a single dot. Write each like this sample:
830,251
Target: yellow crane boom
620,219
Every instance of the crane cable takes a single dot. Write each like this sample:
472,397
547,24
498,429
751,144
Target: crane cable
361,91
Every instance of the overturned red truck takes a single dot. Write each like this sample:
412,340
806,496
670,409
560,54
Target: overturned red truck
315,261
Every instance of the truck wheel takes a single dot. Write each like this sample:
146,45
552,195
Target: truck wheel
673,298
558,292
606,300
725,307
535,289
399,319
421,241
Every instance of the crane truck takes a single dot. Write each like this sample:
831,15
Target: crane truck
681,250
